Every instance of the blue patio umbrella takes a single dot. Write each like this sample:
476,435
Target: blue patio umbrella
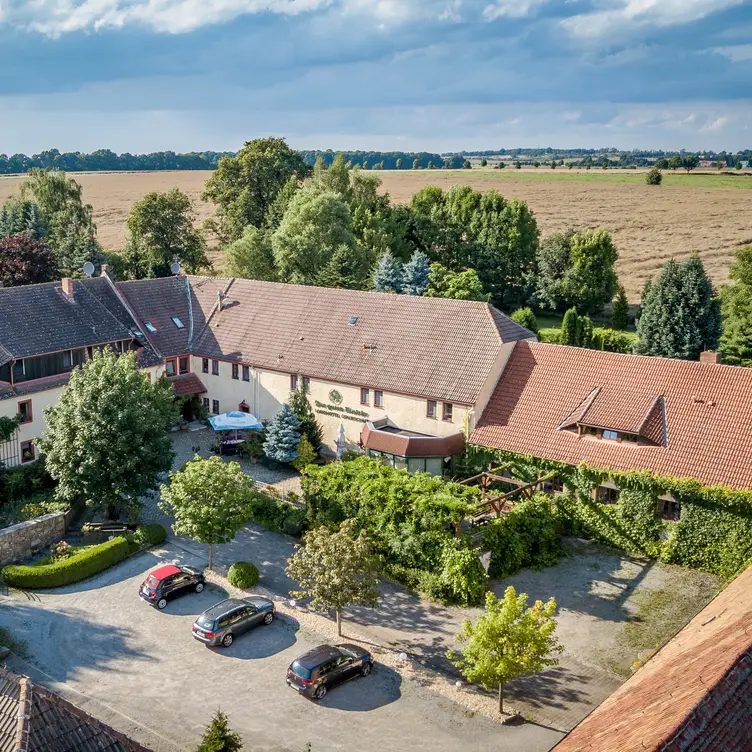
235,421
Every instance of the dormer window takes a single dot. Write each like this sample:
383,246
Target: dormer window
611,435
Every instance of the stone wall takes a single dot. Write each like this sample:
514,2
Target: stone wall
20,541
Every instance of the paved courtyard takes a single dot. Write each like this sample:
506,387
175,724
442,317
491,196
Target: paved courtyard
140,670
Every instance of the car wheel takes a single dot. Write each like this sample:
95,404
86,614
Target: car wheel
320,692
227,640
161,603
268,618
199,587
366,669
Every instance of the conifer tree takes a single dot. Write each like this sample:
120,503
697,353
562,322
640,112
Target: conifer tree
388,274
415,274
218,737
309,426
283,436
620,313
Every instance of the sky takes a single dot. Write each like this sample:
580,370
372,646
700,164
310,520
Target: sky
433,75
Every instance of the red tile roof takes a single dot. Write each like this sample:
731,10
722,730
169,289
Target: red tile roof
708,411
187,384
412,445
694,694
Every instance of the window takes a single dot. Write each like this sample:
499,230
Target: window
555,485
378,399
431,409
150,327
365,396
170,367
178,323
235,371
67,359
185,365
606,495
246,373
215,368
204,365
306,382
293,381
19,370
611,435
27,451
206,404
447,411
215,407
669,510
24,410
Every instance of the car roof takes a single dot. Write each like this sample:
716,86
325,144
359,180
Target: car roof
258,600
314,658
164,571
221,608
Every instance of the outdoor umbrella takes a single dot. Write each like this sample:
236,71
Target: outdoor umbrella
235,421
340,440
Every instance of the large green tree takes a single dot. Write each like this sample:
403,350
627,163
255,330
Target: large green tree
283,436
736,342
245,187
506,641
107,439
576,269
336,569
161,230
309,426
210,500
252,256
680,315
443,283
22,217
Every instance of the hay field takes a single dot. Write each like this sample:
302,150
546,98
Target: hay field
650,224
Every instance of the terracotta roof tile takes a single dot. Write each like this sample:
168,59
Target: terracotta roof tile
412,446
187,384
707,407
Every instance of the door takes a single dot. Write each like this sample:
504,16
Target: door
248,618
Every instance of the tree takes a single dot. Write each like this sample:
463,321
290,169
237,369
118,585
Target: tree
576,268
25,261
416,164
210,500
388,275
738,164
661,164
443,283
620,310
518,165
507,640
218,737
161,231
315,225
399,163
525,317
605,163
336,569
501,165
283,436
654,177
675,162
244,187
306,454
107,439
252,256
690,162
309,426
22,217
483,162
415,274
347,268
431,165
553,164
736,342
467,165
680,315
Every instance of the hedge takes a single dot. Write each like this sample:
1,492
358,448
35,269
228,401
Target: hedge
151,535
243,575
76,568
278,515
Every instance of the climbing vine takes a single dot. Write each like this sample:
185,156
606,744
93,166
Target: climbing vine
713,532
8,427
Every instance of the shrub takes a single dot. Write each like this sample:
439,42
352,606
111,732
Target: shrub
612,340
86,564
243,575
61,551
525,317
463,575
152,535
550,335
654,177
275,514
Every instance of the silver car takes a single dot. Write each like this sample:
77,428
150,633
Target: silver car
220,624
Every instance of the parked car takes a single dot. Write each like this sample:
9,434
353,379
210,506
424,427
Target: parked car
220,624
169,581
320,669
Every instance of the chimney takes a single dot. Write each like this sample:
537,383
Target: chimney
105,270
711,357
220,300
67,287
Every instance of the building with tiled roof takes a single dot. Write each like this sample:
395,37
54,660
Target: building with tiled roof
694,695
33,719
623,412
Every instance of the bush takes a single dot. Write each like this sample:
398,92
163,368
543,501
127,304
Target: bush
612,340
525,317
61,551
243,575
654,177
152,535
275,514
462,575
78,567
550,335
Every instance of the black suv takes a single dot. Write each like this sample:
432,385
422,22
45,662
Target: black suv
169,581
322,668
219,624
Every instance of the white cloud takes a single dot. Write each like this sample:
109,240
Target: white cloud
737,53
511,9
717,125
630,13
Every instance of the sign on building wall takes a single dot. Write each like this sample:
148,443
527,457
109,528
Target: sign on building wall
335,409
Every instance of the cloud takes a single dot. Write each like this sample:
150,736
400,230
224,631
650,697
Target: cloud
637,13
511,9
737,53
716,125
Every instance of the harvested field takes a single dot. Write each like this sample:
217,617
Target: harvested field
650,224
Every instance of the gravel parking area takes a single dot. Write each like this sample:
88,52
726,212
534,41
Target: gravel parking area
140,670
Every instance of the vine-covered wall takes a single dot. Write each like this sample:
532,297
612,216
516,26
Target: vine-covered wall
713,532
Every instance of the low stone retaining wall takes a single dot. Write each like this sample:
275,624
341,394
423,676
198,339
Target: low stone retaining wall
24,539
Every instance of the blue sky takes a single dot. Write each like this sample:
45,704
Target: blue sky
147,75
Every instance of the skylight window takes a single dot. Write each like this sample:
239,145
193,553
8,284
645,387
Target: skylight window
150,327
178,323
353,320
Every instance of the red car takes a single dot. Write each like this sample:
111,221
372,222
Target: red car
169,581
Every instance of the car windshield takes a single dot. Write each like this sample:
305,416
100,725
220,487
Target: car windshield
348,652
301,671
152,581
205,622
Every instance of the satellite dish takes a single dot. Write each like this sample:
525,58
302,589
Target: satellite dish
88,268
175,267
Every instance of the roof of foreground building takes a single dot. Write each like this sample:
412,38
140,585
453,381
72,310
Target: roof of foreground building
683,419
